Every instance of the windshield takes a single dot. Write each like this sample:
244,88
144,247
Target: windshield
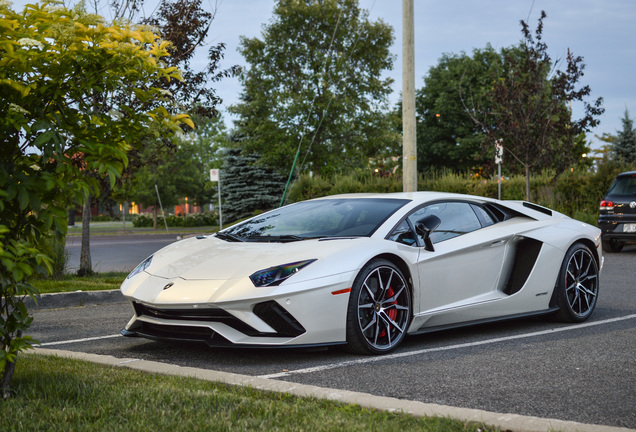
347,217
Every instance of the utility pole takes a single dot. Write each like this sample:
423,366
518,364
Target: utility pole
409,144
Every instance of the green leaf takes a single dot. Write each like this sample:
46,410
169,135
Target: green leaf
23,198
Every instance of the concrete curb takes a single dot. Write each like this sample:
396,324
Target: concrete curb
513,422
75,299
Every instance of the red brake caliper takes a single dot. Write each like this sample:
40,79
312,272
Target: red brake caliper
391,313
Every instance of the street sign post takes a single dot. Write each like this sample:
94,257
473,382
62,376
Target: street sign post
499,161
215,176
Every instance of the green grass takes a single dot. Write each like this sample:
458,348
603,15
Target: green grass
70,283
56,394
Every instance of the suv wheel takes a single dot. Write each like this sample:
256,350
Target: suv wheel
613,245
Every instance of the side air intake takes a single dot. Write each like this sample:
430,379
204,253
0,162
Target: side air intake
526,253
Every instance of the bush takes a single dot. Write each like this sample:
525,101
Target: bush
103,218
574,193
190,220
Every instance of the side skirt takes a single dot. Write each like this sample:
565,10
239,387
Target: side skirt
483,321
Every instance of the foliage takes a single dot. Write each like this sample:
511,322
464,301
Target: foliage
576,193
531,108
446,134
177,174
181,171
313,88
57,66
624,146
189,220
186,25
248,188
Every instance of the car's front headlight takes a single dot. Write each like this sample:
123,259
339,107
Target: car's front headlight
274,276
141,267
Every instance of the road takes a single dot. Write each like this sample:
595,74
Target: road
119,253
584,373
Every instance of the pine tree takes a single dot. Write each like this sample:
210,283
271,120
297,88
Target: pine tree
248,188
624,147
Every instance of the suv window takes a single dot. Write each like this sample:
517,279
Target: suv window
625,185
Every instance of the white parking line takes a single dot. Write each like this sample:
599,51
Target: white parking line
77,340
444,348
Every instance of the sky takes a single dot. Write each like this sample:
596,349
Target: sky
602,32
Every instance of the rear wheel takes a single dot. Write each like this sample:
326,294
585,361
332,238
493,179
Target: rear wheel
613,245
379,309
577,287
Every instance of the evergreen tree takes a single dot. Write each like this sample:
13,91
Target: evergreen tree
624,147
246,187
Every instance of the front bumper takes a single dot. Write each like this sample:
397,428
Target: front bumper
306,314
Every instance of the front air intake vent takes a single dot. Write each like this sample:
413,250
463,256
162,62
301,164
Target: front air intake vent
196,315
279,319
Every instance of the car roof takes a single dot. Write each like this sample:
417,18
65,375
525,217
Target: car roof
413,196
626,173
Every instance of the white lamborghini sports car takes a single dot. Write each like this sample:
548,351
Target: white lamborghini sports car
366,270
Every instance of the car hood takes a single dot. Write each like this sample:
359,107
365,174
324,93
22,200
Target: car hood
213,259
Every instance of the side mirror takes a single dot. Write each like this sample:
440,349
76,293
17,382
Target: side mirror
425,227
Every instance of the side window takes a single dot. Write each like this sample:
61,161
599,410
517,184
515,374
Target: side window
457,218
403,234
484,217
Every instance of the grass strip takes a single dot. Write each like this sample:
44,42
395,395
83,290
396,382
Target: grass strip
70,283
53,394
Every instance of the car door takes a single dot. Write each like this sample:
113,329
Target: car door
466,264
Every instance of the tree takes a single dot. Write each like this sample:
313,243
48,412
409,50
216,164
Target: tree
248,188
56,68
446,134
531,107
624,146
314,88
186,24
182,172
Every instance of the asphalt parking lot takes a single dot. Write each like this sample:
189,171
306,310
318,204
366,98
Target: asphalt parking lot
584,373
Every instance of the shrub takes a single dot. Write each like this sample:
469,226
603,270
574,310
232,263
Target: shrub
190,220
574,193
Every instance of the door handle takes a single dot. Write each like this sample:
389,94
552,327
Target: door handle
498,243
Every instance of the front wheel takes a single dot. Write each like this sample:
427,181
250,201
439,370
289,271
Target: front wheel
577,287
379,309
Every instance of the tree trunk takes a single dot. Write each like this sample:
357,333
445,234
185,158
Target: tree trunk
7,374
123,214
86,266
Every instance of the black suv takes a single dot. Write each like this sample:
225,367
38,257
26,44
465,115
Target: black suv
617,214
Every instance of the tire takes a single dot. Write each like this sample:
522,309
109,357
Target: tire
613,245
577,286
379,309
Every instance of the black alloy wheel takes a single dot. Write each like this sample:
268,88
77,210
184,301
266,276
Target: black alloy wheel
379,309
577,287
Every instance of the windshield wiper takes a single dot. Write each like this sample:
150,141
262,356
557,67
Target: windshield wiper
276,238
229,237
